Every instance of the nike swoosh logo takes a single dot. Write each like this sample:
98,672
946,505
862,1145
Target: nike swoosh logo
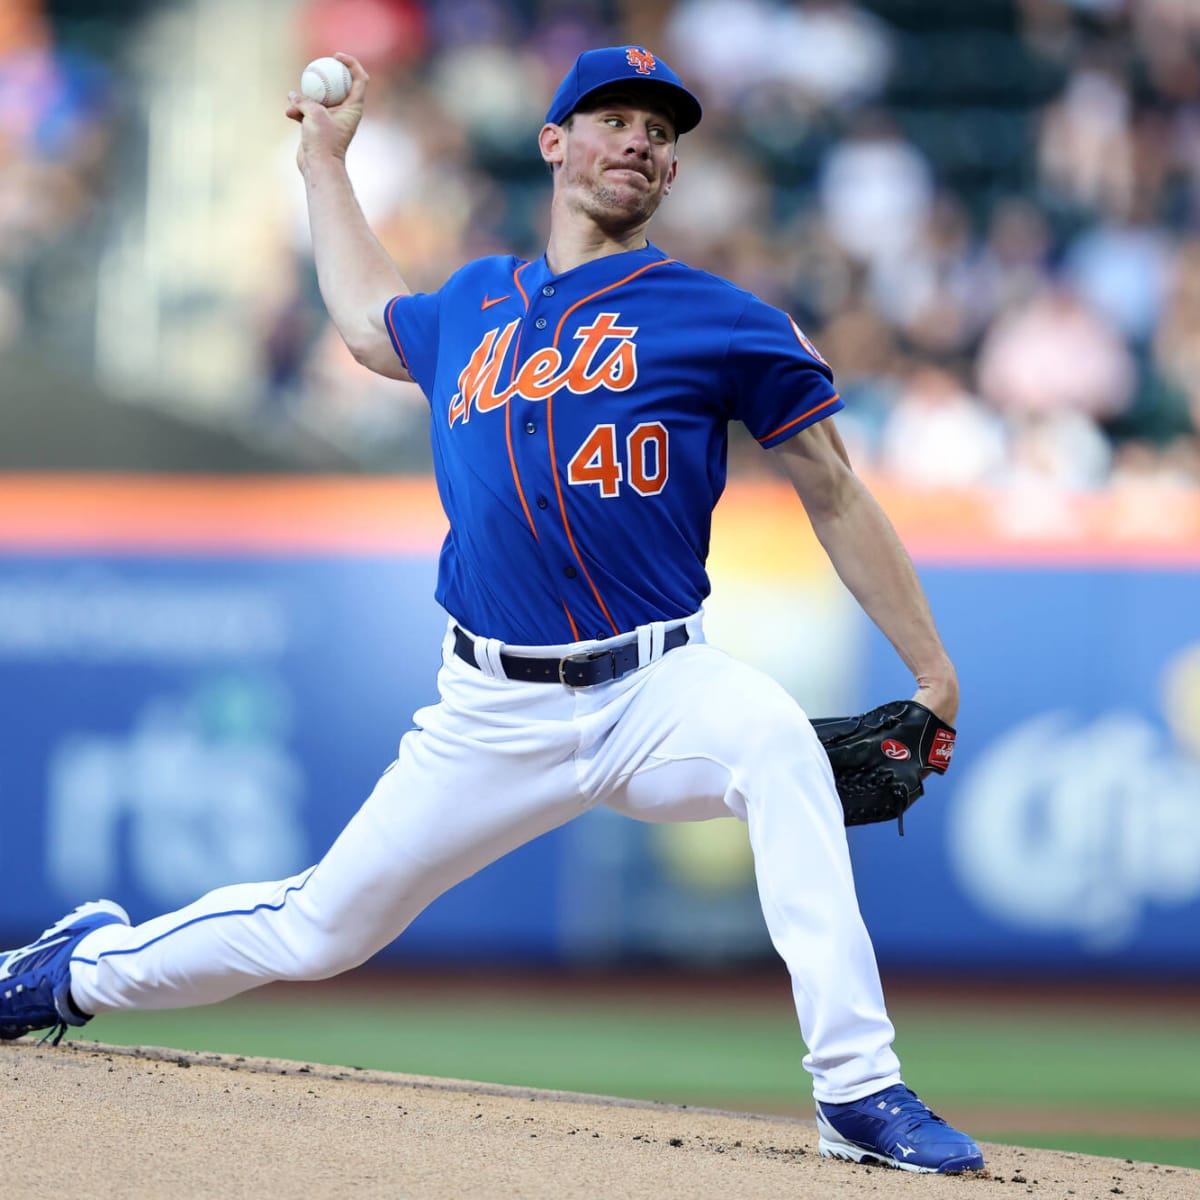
6,966
488,303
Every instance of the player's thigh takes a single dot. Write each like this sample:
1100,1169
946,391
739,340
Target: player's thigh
705,731
447,807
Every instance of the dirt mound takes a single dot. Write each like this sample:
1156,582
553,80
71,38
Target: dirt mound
86,1119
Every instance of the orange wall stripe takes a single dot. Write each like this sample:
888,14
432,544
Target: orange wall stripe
352,515
200,514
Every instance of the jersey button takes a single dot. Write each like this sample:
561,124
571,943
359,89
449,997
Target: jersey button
542,502
540,322
530,427
570,572
547,290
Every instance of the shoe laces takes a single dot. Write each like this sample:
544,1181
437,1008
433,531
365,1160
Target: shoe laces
910,1105
41,980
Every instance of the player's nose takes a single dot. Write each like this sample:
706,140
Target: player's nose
638,141
639,145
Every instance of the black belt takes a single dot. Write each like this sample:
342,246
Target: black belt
576,670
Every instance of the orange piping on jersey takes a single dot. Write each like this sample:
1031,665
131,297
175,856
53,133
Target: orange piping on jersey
574,628
517,281
512,458
562,507
387,314
662,262
802,417
512,462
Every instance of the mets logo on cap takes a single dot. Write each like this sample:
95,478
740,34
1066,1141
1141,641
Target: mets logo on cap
641,60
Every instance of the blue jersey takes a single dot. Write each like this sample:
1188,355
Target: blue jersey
580,428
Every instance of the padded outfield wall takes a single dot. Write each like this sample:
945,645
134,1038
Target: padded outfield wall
201,679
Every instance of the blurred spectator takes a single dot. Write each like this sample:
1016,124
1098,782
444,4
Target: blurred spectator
1055,354
925,292
876,189
1085,154
1010,265
1175,352
831,53
55,128
939,435
1122,268
1057,451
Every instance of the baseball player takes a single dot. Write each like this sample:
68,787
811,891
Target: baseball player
579,408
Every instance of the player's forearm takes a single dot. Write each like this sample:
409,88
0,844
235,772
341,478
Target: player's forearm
872,562
357,277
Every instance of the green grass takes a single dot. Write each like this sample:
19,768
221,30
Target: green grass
720,1054
1174,1152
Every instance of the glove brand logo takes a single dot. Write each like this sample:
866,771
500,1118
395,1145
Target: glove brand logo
897,750
942,749
641,60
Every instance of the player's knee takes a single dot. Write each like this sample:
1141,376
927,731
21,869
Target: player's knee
322,957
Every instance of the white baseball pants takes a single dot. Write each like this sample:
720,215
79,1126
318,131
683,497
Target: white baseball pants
692,735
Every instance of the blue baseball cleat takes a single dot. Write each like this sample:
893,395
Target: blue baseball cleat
35,981
895,1129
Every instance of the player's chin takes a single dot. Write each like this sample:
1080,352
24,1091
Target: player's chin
628,204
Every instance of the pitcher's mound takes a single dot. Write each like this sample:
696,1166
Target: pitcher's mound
85,1119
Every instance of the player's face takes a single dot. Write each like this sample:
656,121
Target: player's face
618,161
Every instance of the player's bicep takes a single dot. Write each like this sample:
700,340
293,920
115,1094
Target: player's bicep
817,466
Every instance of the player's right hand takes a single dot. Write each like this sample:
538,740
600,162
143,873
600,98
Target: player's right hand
329,131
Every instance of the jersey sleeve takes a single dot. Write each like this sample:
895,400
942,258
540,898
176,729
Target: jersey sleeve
780,383
412,324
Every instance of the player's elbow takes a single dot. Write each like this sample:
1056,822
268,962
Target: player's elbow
375,352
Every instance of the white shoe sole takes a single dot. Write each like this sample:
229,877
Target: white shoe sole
848,1152
91,908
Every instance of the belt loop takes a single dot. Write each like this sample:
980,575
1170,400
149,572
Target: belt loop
651,641
487,657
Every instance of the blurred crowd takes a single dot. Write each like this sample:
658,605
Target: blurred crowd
986,215
57,110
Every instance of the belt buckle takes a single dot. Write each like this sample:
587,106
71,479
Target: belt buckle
587,656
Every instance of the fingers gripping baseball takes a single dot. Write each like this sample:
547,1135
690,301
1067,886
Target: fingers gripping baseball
328,129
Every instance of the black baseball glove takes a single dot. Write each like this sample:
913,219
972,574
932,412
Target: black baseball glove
880,759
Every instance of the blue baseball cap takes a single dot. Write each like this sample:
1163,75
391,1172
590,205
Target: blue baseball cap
597,69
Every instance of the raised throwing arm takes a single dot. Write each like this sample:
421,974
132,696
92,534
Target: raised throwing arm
356,275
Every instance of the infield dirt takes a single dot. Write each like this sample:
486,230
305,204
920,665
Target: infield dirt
99,1122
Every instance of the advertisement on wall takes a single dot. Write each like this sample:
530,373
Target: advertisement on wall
192,705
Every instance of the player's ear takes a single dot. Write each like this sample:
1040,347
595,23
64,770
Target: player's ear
552,144
672,171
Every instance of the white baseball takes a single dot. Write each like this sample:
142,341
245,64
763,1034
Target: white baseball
326,80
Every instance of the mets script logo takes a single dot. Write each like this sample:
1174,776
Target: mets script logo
642,60
604,357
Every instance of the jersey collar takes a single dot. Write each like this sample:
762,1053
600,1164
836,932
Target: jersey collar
599,273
